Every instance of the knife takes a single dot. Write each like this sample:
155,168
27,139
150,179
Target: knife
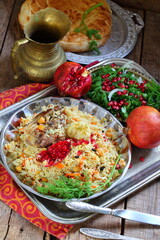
122,213
101,234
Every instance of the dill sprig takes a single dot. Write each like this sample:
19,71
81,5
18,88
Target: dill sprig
68,188
92,34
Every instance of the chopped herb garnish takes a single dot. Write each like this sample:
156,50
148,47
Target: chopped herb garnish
92,34
68,188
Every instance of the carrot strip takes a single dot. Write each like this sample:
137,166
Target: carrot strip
40,127
59,165
72,174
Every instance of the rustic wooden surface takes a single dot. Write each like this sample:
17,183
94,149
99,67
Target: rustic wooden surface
150,5
147,199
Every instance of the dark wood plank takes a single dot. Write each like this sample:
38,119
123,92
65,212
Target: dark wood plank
145,200
14,33
151,45
5,13
140,4
21,229
4,219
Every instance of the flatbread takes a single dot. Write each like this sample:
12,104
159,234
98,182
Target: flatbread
99,19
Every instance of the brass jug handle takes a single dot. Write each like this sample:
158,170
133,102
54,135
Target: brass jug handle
14,49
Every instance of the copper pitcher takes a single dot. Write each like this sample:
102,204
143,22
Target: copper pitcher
37,56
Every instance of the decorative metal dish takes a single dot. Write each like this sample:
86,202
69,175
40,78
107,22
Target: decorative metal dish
122,40
84,106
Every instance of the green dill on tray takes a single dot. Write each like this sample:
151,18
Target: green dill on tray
92,34
121,90
68,188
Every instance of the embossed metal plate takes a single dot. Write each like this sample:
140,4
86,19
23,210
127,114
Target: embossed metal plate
84,106
122,40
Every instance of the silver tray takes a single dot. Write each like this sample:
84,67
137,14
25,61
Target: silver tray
138,176
125,27
84,106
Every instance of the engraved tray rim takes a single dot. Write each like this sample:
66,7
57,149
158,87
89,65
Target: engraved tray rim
143,179
130,28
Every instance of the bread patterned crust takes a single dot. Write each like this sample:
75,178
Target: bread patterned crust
99,19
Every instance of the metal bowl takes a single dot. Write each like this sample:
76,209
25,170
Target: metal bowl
84,106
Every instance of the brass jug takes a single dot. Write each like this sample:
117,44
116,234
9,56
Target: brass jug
37,56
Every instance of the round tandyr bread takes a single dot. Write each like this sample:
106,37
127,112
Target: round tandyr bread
99,19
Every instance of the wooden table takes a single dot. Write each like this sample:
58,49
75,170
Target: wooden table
147,199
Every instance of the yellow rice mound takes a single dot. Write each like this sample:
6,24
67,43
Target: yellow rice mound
93,149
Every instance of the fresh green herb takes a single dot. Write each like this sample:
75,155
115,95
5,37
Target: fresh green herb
92,34
109,180
121,90
68,188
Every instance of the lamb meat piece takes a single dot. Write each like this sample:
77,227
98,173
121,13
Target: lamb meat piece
44,140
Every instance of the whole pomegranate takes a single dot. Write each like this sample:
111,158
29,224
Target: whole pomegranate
72,79
143,125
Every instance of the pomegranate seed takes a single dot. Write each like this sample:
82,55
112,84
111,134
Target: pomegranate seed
119,93
107,75
131,94
118,166
104,83
103,76
114,79
95,146
110,103
79,153
107,88
141,98
113,65
121,85
144,102
103,87
119,72
107,80
113,87
130,166
115,107
121,102
131,82
115,102
55,153
142,159
125,91
126,103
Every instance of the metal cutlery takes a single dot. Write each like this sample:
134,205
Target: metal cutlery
122,213
102,234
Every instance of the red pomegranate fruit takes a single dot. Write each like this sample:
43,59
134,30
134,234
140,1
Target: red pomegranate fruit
143,125
72,79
